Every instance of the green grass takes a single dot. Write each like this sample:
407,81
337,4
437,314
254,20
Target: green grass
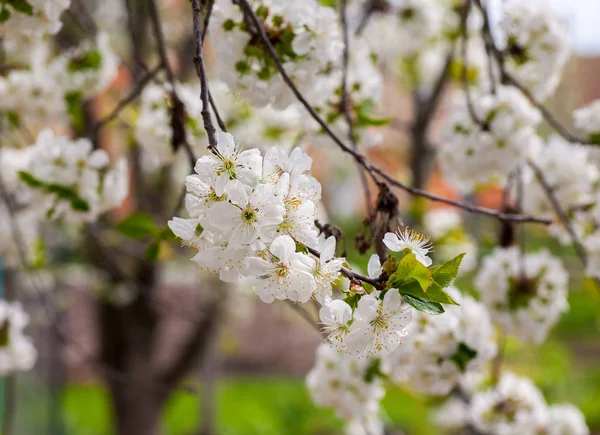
245,406
278,405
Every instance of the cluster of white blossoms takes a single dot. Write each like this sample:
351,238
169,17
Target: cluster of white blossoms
440,350
69,180
17,352
305,35
537,46
525,292
27,22
350,386
247,214
43,92
568,169
513,406
252,218
490,147
446,229
376,327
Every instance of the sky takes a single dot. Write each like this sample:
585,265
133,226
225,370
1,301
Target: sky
583,21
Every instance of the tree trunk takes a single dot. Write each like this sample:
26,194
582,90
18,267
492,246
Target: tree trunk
137,409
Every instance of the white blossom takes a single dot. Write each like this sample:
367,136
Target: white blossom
568,169
514,406
440,350
17,352
285,274
327,268
525,293
488,150
72,181
419,244
536,45
379,325
339,381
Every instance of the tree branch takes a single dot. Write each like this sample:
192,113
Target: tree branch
345,97
373,170
199,34
133,94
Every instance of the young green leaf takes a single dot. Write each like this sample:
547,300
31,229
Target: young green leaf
419,304
410,270
434,293
445,273
137,226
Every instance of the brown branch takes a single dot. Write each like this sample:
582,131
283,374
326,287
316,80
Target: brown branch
373,170
198,340
346,99
135,92
199,34
177,122
348,273
562,215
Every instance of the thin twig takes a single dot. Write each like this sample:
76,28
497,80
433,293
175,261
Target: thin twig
162,51
135,92
199,33
346,98
464,54
305,315
220,121
562,215
348,273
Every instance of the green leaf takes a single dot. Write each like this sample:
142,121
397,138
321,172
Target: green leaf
137,226
595,138
462,356
410,269
153,251
434,293
88,60
79,204
30,180
74,101
4,15
63,192
22,6
419,304
352,300
445,273
365,120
